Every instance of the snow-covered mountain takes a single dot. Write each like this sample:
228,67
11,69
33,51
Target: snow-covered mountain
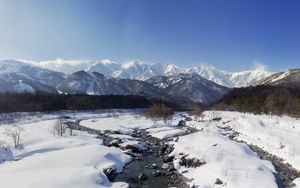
189,86
143,71
20,76
198,84
231,79
95,83
290,77
132,70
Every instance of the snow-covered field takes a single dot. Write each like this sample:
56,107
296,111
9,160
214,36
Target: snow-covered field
232,162
48,160
278,135
51,161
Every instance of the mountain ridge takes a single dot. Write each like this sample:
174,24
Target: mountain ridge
143,70
18,76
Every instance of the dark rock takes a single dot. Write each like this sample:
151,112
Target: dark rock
168,159
193,162
110,173
181,123
185,171
157,173
218,182
133,148
116,132
217,119
142,176
114,143
164,149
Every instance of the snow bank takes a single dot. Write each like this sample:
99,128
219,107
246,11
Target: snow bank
50,161
165,132
233,163
277,135
125,123
297,183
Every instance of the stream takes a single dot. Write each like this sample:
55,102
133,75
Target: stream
151,167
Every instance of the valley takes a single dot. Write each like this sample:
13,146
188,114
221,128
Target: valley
121,148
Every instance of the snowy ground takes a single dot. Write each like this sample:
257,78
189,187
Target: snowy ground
125,123
51,161
234,163
46,160
278,135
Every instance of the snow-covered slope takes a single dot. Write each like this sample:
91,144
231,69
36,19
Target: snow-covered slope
290,77
21,76
191,87
277,135
231,79
83,82
133,69
219,144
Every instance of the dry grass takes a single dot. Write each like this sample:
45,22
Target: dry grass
197,112
158,112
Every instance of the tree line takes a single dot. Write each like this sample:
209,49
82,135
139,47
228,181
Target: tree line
32,102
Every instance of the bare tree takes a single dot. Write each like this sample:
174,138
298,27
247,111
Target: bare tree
60,126
15,134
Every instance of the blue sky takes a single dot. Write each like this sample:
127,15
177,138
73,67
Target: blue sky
230,35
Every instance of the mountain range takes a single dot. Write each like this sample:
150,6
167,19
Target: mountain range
199,84
142,71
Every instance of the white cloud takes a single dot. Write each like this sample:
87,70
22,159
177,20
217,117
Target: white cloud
66,66
258,65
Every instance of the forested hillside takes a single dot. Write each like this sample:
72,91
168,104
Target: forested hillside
262,99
